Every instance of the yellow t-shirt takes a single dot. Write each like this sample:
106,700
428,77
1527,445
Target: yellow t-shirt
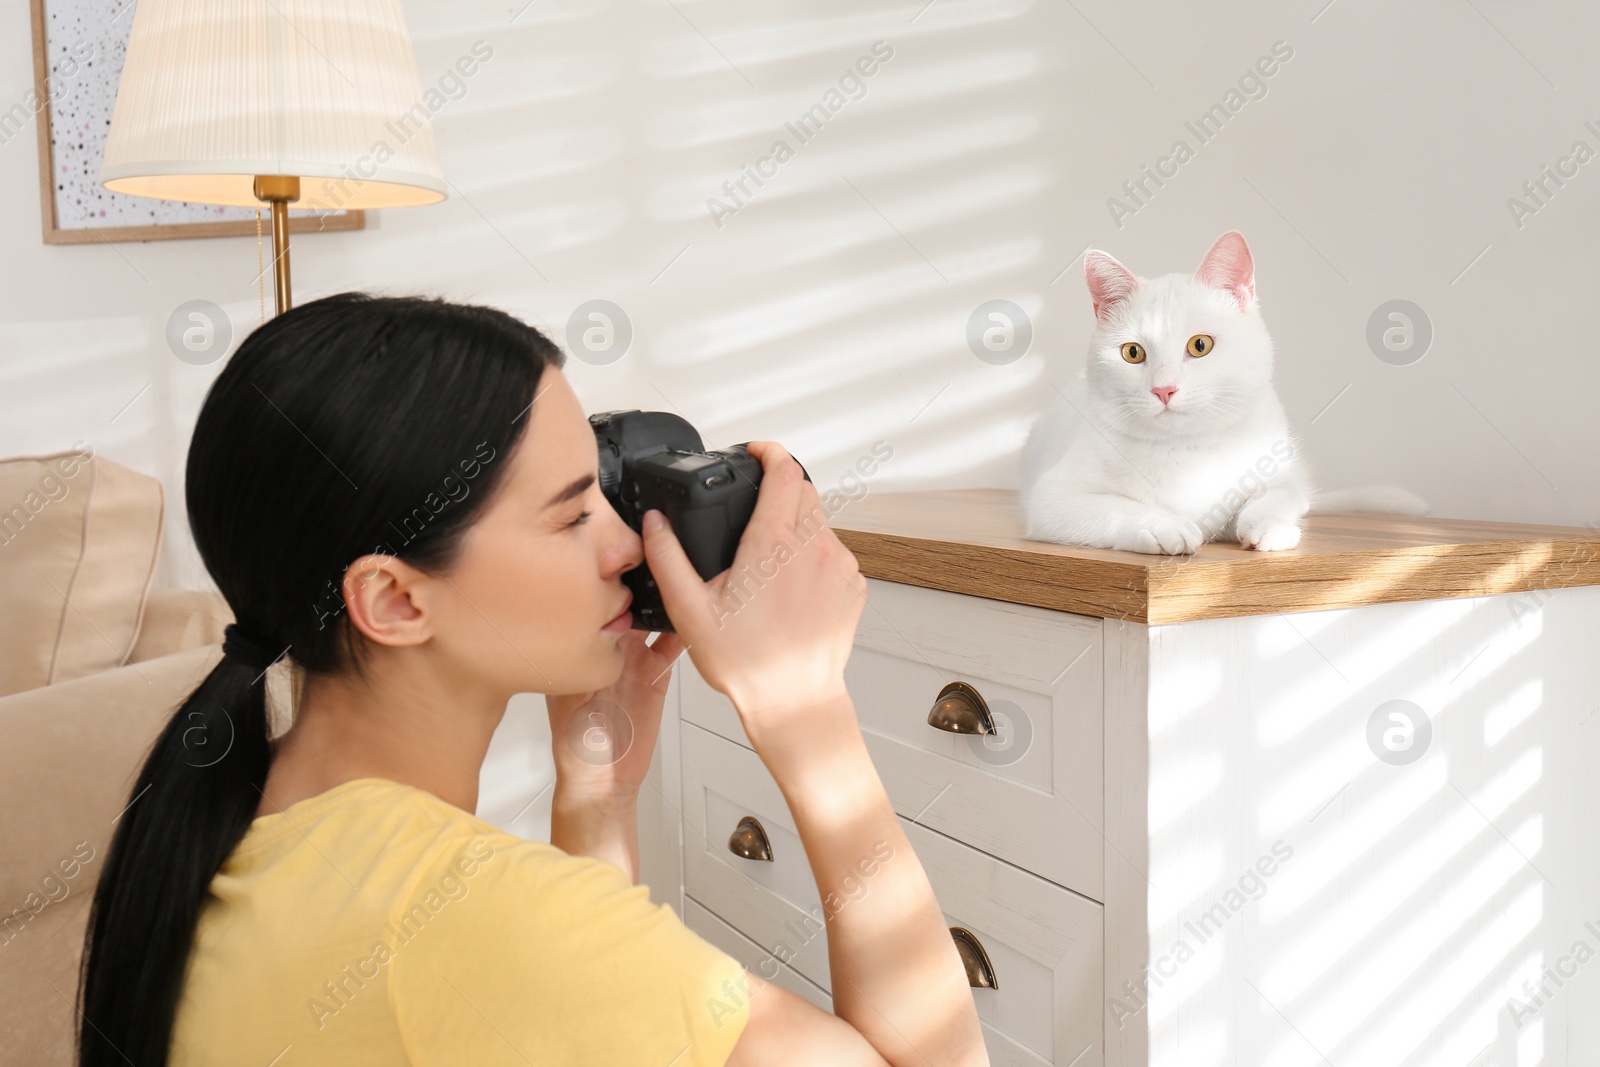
377,924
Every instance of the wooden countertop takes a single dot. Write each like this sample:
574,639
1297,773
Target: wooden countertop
970,541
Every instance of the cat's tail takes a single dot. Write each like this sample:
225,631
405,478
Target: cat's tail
1377,499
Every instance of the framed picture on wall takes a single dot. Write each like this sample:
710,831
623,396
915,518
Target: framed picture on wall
78,49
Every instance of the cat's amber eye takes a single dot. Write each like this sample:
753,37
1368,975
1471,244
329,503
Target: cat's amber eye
1133,351
1200,344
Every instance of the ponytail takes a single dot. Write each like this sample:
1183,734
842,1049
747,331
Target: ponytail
346,426
194,799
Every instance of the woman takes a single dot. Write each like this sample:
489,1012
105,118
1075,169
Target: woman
400,495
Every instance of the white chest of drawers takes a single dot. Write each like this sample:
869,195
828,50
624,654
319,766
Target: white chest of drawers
1186,841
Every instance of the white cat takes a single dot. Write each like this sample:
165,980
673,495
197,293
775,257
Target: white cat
1172,435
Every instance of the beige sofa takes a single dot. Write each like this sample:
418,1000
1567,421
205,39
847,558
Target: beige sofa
93,662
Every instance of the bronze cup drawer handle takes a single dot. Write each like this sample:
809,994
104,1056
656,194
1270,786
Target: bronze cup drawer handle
961,709
750,840
980,972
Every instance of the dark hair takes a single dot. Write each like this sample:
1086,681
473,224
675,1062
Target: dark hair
340,428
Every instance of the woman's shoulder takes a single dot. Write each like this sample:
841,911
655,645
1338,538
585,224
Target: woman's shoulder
570,958
370,831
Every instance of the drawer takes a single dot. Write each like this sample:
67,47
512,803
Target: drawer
1033,792
1044,943
755,959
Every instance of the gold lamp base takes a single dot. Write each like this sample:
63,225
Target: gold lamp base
279,190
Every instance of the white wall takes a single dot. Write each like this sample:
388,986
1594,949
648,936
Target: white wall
830,311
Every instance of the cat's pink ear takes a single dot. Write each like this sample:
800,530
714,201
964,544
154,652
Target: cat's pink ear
1109,281
1229,266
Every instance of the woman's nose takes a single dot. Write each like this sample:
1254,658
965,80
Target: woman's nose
633,555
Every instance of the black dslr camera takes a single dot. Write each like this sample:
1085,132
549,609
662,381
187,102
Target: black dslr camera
654,459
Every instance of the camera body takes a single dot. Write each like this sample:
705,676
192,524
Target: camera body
654,459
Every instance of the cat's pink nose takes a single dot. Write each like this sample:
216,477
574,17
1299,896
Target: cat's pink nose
1165,392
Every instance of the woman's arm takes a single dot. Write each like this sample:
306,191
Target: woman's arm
602,743
773,633
897,977
604,826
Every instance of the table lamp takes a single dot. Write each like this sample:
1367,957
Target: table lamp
290,103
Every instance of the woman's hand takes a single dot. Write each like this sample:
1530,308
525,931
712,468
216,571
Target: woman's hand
774,630
603,740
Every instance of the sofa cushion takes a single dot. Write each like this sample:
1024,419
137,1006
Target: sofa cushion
66,772
176,619
79,536
67,769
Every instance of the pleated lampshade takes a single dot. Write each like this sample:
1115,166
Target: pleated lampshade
215,92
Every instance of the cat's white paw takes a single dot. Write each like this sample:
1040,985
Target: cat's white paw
1268,533
1166,534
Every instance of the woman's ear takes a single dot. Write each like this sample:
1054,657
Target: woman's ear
386,598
